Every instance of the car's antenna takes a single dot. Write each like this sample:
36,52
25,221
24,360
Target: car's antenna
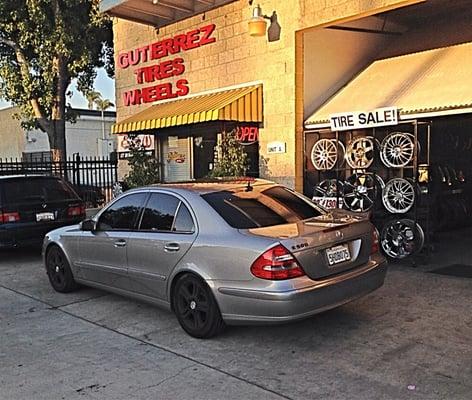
249,188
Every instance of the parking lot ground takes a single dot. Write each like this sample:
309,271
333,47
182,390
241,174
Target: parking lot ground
411,339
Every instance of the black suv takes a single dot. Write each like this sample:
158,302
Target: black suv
31,206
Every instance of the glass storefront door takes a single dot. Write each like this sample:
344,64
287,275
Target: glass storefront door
176,158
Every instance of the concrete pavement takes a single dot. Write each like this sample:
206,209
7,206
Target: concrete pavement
409,340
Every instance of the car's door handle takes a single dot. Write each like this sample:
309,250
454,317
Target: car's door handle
120,243
171,247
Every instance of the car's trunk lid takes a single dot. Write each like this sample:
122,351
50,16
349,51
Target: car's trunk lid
39,199
42,211
326,245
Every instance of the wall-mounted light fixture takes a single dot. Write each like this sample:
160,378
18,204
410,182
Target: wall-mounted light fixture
257,25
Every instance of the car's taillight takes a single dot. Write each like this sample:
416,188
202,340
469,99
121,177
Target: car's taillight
6,217
375,242
275,264
76,211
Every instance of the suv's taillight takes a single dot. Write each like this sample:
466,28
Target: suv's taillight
276,263
9,217
76,211
375,242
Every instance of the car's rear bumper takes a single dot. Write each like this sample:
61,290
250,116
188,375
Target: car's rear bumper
243,306
23,234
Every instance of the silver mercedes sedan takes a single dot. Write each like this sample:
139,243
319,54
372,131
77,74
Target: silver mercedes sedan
233,252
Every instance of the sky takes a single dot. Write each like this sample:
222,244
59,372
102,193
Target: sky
103,84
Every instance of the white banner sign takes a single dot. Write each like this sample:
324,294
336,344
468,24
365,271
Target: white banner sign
144,141
364,119
329,202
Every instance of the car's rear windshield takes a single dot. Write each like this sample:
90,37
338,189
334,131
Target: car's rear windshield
260,208
29,190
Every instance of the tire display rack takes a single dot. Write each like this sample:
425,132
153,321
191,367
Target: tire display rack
383,172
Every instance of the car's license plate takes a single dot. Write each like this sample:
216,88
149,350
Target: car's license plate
45,216
338,254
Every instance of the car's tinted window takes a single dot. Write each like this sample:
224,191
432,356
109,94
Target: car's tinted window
183,220
259,208
159,212
24,190
122,215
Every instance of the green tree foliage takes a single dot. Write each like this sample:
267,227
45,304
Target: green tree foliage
232,160
103,104
144,167
95,99
92,96
44,44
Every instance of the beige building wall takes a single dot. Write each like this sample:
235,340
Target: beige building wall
85,136
12,137
237,58
89,138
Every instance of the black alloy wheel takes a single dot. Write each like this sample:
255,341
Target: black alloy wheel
59,272
196,308
401,237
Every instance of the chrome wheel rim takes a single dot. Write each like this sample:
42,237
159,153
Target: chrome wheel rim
397,149
401,238
341,152
398,196
329,188
360,153
324,154
360,192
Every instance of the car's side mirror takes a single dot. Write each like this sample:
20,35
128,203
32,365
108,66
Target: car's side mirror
88,225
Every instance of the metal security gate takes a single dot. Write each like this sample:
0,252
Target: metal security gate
92,177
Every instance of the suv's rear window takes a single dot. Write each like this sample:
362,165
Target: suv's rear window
24,190
259,208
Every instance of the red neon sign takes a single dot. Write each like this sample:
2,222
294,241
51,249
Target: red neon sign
247,134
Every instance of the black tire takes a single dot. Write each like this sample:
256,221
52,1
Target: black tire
196,308
59,272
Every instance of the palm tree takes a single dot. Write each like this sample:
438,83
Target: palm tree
92,97
102,105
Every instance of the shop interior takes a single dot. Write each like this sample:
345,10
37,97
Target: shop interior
414,179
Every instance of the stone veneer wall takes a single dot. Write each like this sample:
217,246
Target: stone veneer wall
237,58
